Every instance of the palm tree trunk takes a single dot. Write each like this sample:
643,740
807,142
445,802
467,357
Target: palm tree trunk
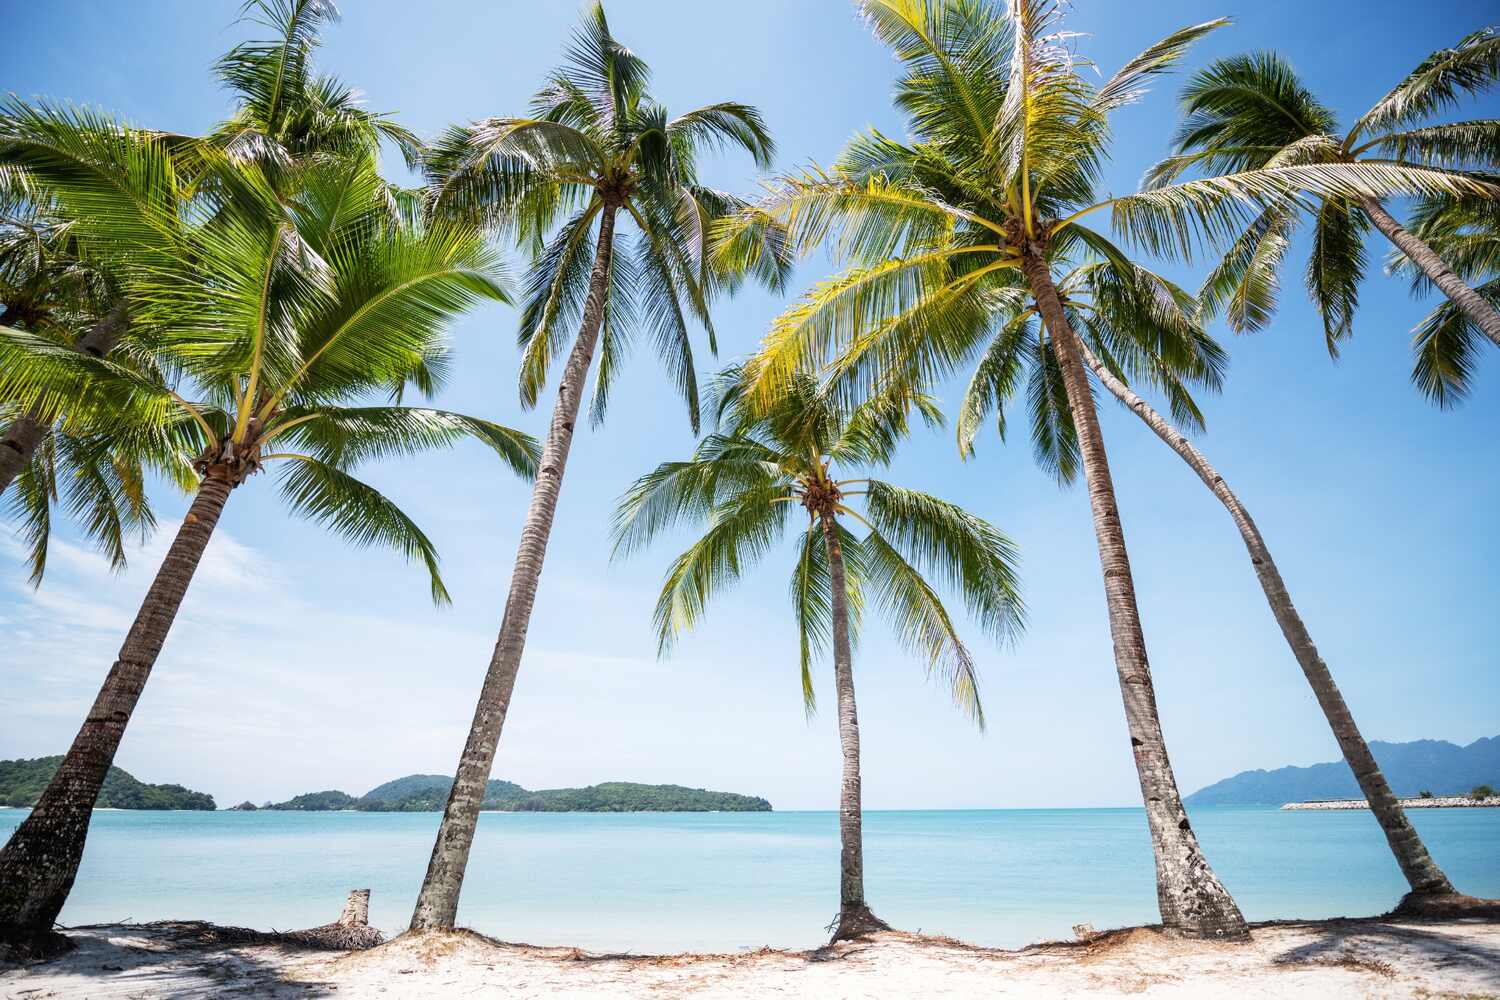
1189,894
24,434
855,918
437,904
38,864
1479,311
1422,873
17,446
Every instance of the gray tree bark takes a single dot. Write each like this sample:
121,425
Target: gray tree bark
1480,312
855,918
1192,900
437,904
40,861
1422,873
18,445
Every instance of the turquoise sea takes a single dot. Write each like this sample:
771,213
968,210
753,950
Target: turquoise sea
725,881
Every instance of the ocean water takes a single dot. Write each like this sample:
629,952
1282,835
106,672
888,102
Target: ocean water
726,881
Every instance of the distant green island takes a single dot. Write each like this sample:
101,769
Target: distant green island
22,781
429,792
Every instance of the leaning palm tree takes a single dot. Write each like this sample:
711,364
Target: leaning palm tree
287,317
287,117
598,151
1097,308
742,483
1252,112
1465,233
993,194
96,184
45,288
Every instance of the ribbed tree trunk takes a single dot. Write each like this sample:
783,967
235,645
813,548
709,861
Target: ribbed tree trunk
855,918
1189,894
38,864
1422,873
17,446
437,904
21,438
1471,302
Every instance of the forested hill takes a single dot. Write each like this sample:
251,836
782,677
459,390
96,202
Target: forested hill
1435,766
429,792
21,781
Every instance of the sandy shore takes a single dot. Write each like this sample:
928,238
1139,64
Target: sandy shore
1432,960
1438,802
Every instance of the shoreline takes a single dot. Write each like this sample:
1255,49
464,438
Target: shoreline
1373,957
1436,802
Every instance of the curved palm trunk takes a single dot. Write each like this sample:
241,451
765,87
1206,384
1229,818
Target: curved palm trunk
437,904
24,434
1422,873
855,918
1189,894
1479,311
38,864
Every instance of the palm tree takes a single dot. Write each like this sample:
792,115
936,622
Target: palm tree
76,180
47,289
597,150
288,115
288,316
993,193
1251,112
287,118
742,482
1097,308
1465,233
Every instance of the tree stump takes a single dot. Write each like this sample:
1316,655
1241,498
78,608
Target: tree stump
350,932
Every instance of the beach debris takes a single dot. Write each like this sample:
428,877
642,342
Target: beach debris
1086,932
350,932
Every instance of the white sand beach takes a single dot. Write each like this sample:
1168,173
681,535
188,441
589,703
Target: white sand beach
1432,960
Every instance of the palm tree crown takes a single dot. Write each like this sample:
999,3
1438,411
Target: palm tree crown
285,317
1252,112
597,143
288,114
743,481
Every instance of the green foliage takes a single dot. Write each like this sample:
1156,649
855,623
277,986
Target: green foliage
598,142
741,483
22,781
429,792
329,801
1251,114
1481,792
1424,794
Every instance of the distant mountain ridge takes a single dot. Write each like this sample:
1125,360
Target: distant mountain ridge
1436,766
429,793
21,781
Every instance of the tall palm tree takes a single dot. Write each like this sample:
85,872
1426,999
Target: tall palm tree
597,151
1251,112
993,193
287,317
1096,308
742,483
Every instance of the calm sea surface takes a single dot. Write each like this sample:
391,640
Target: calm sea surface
723,881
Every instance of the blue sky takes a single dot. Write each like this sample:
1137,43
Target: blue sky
299,664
